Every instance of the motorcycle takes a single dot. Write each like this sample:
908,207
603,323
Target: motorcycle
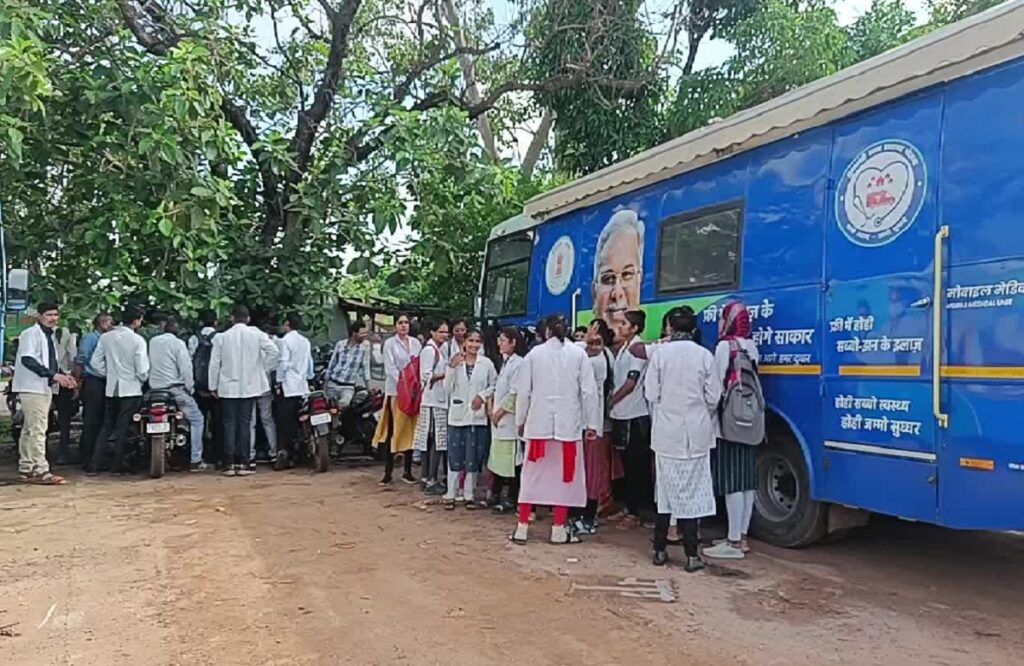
356,424
18,416
163,433
317,419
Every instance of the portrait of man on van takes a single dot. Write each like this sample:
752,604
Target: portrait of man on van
618,267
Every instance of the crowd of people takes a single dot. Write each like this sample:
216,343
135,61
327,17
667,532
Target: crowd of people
599,424
223,381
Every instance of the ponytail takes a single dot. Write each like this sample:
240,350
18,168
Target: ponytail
556,326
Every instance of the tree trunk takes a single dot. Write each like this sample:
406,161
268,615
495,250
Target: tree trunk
483,124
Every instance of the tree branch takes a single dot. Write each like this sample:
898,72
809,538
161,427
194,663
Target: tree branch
540,139
483,125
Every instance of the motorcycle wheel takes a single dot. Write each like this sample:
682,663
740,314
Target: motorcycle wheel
322,456
157,457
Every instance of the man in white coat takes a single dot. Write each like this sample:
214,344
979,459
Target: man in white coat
239,362
683,389
36,372
294,371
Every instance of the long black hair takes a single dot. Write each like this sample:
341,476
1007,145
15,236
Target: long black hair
557,326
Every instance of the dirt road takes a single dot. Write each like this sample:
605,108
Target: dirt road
300,569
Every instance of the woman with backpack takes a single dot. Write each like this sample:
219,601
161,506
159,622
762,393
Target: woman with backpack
736,468
506,457
431,438
395,428
469,381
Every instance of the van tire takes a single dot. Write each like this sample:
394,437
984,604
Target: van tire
784,513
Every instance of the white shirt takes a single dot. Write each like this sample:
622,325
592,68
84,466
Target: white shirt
293,367
463,389
169,363
633,405
432,363
32,343
239,362
121,357
396,357
556,394
600,365
66,344
684,391
505,388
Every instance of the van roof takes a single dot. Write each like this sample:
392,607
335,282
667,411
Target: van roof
979,42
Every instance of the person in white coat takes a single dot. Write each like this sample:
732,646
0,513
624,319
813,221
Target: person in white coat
36,372
683,389
556,402
294,370
239,362
431,437
395,429
469,380
506,457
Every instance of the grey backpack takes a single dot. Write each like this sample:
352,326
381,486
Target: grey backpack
742,412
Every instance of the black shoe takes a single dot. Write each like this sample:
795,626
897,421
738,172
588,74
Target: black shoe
386,481
661,558
409,478
693,564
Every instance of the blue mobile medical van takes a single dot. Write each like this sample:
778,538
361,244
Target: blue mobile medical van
873,224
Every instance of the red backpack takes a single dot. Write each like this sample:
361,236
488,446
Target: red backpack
410,389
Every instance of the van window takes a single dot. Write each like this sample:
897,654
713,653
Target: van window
508,275
700,249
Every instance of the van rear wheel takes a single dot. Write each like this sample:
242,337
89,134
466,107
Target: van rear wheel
785,515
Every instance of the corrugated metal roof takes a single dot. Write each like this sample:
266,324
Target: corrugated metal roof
976,43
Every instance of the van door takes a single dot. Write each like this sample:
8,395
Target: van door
981,477
880,438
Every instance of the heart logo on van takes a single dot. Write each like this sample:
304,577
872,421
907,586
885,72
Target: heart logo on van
878,192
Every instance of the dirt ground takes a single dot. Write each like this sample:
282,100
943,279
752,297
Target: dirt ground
293,568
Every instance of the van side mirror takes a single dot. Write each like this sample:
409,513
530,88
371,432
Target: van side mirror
17,290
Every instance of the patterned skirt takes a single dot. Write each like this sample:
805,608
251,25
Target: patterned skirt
433,421
683,487
735,467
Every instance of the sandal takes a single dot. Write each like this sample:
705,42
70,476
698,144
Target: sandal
449,505
472,506
629,522
47,479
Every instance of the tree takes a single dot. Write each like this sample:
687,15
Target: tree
193,153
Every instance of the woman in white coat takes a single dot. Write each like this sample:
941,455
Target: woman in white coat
683,389
396,428
469,380
504,459
431,438
556,401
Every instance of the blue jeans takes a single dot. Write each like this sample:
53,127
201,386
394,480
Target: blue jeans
468,448
196,424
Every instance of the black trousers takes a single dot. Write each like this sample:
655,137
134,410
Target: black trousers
687,526
93,407
634,438
512,483
237,413
117,419
67,406
288,423
213,447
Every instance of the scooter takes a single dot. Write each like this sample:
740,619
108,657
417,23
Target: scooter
356,425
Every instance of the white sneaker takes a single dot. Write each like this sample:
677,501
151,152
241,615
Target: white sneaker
521,533
245,471
560,535
230,471
724,551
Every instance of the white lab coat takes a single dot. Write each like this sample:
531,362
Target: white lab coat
32,343
294,364
463,389
432,363
239,362
122,358
556,397
504,388
683,388
395,359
